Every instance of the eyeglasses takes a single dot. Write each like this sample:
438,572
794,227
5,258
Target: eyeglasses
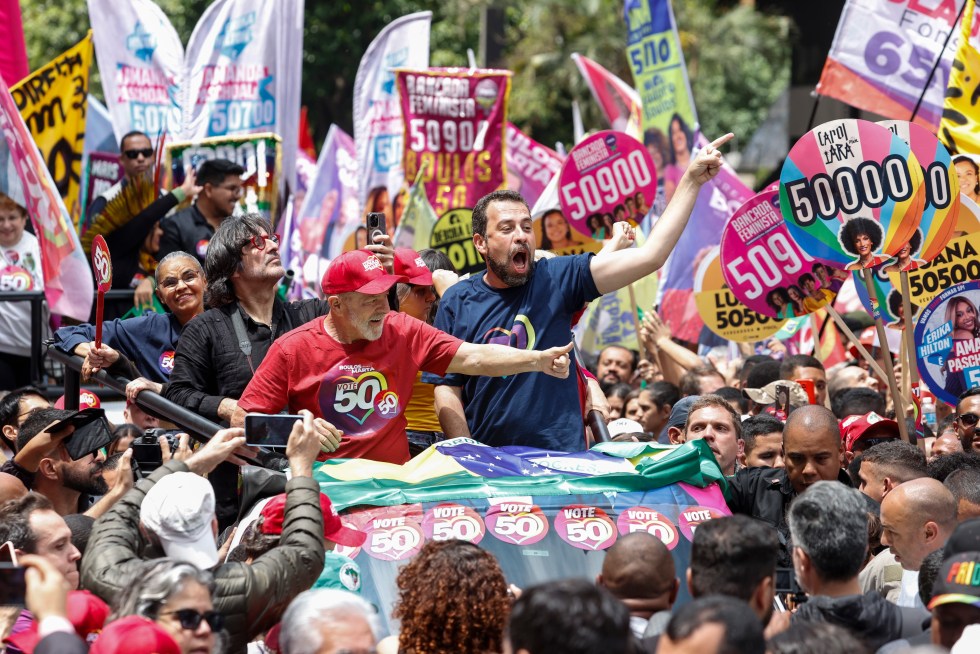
191,619
135,154
968,419
258,242
236,190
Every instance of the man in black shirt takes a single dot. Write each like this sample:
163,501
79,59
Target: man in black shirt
191,229
211,370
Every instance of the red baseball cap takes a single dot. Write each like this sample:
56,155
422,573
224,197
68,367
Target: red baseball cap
134,634
357,271
856,428
333,529
409,263
86,400
86,612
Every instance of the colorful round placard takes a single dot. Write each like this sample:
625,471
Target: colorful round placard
601,177
947,338
101,264
851,193
722,312
765,268
942,197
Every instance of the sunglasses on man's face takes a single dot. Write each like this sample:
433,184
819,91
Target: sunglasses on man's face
968,419
135,154
191,619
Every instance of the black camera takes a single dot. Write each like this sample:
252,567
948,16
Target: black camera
147,455
787,589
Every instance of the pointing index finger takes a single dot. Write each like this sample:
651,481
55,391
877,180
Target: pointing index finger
722,140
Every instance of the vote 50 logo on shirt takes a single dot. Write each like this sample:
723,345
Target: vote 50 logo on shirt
357,398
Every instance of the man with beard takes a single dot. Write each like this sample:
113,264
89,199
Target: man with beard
356,366
530,305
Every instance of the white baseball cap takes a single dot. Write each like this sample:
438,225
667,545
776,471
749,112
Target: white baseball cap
179,509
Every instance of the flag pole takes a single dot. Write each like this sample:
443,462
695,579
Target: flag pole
935,65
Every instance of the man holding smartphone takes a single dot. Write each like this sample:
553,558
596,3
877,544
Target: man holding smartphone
356,366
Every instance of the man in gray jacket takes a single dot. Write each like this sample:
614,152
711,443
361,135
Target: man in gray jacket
252,597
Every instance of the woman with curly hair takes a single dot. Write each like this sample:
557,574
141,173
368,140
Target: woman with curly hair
903,260
796,297
861,237
778,300
452,599
962,313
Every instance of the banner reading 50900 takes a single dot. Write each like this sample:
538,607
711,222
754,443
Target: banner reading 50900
454,127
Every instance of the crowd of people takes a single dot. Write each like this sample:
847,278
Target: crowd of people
843,537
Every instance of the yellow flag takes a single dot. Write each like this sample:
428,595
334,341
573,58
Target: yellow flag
959,129
53,100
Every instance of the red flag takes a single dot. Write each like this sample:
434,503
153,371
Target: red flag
620,103
306,134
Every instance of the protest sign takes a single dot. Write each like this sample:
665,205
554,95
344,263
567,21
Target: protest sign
378,126
947,336
25,178
454,129
670,129
766,269
102,265
850,193
883,54
103,171
453,235
52,101
722,312
258,154
958,128
602,181
530,165
415,228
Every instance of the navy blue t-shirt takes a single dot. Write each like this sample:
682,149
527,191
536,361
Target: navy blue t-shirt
531,409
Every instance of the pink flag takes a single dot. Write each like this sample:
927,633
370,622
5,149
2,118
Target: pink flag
13,56
620,103
530,165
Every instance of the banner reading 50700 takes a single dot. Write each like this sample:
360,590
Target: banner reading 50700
454,127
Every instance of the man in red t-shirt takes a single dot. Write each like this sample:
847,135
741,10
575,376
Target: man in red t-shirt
355,367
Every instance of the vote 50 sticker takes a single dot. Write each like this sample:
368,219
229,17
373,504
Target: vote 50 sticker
393,538
642,518
449,521
693,516
585,527
517,523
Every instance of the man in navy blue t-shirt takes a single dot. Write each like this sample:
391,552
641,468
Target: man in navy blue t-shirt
530,305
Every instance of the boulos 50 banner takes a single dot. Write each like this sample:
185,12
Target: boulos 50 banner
454,132
884,52
241,73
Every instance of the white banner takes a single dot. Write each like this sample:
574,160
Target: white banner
378,128
242,72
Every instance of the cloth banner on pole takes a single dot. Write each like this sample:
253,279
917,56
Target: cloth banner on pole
378,128
454,126
415,228
68,284
960,130
670,121
882,55
620,103
13,56
53,103
530,165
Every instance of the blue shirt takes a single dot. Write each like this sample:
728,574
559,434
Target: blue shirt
532,409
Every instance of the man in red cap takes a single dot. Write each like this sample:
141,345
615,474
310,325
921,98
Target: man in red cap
355,367
861,432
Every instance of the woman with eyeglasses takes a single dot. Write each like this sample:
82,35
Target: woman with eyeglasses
177,596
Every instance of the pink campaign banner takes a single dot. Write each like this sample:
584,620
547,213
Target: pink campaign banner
608,178
454,130
530,165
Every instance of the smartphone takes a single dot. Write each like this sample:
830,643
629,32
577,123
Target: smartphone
8,553
781,407
13,587
269,430
376,226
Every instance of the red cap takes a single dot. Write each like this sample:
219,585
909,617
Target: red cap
333,529
409,263
134,634
855,428
866,338
86,612
86,400
357,271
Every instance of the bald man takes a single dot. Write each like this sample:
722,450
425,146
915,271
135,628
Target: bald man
812,452
10,487
916,519
639,571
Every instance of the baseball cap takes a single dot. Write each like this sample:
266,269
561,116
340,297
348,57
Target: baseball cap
334,530
624,426
958,581
179,510
86,400
870,425
86,612
339,572
767,394
678,414
409,263
965,538
357,271
134,634
866,338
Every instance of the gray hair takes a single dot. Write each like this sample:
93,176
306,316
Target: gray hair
830,523
310,609
152,583
179,254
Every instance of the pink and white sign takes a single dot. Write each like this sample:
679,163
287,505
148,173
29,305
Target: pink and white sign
517,522
585,527
603,178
